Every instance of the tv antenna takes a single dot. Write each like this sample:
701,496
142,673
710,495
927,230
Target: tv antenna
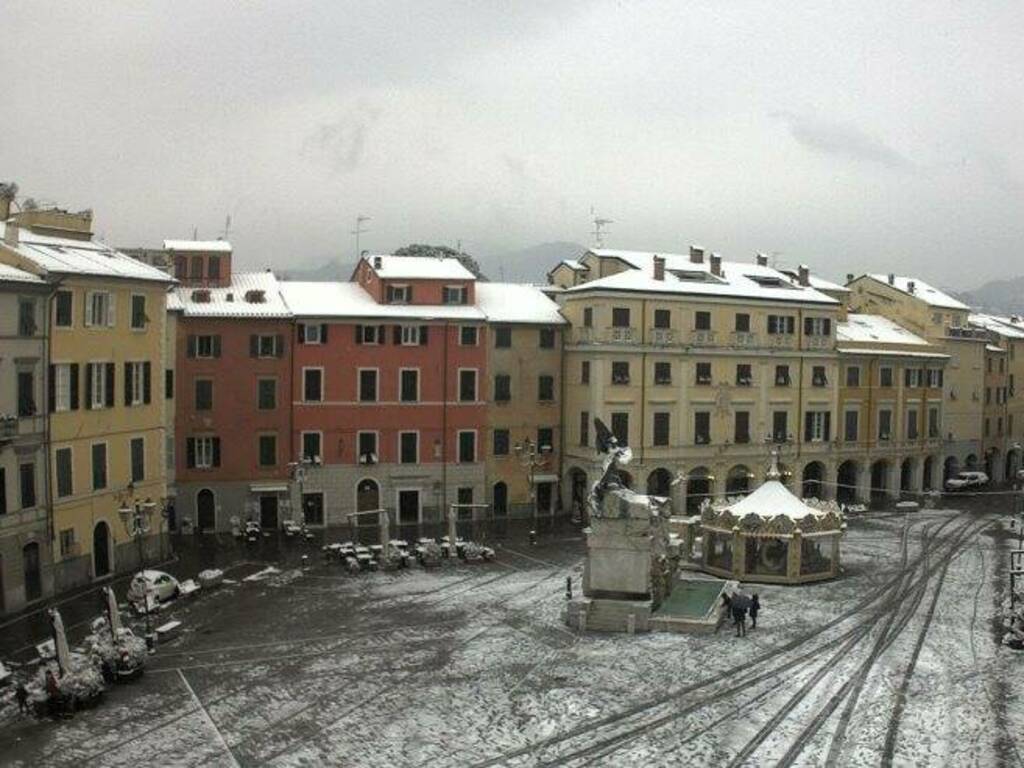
599,228
227,227
360,220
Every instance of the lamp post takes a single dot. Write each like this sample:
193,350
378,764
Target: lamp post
136,520
532,457
298,472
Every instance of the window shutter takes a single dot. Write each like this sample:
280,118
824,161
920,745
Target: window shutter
110,385
191,345
906,377
302,333
826,326
254,345
397,334
323,333
88,385
127,383
147,381
216,345
423,335
807,427
88,309
790,324
359,334
279,345
408,295
216,451
111,309
190,452
73,384
382,337
808,326
51,396
828,426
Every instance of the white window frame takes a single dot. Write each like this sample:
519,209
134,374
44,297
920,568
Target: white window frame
376,444
106,305
366,331
458,446
137,379
878,424
359,385
71,312
99,384
400,435
855,439
398,497
273,345
323,382
309,331
410,335
418,380
476,335
817,426
892,375
320,440
476,385
448,291
394,290
62,387
203,452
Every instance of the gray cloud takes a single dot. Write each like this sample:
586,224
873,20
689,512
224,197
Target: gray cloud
844,141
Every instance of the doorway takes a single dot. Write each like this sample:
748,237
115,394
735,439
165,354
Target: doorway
33,572
101,550
544,496
206,511
268,512
408,507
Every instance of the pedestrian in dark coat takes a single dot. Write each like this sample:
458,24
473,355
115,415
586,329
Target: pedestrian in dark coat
21,694
755,606
739,616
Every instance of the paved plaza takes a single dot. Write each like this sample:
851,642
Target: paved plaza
897,662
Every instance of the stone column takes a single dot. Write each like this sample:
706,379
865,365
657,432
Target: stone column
677,493
863,490
793,564
739,558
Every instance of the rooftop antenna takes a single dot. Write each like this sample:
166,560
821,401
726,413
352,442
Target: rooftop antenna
227,227
599,225
195,232
360,219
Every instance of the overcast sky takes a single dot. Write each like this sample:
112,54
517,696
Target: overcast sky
853,136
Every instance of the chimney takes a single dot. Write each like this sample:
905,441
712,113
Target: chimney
11,234
892,279
378,262
910,286
716,265
849,277
761,259
804,273
696,254
659,267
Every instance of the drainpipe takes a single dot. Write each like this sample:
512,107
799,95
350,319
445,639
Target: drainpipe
47,429
643,379
444,424
798,439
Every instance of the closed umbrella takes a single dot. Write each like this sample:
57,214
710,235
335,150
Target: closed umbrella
60,642
113,614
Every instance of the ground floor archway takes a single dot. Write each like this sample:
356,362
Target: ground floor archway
659,482
698,488
928,473
846,482
812,481
206,510
102,564
949,468
879,481
907,475
367,495
737,481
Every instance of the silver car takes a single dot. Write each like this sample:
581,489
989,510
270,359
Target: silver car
161,585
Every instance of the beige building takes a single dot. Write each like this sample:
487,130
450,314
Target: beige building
26,567
1004,405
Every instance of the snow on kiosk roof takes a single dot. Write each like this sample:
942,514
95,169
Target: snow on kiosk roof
390,267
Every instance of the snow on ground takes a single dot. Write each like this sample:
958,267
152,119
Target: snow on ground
896,662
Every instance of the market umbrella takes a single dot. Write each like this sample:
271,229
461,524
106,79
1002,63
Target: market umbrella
113,614
60,642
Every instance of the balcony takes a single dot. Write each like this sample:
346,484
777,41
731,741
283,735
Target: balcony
781,341
621,335
8,427
703,338
744,339
819,342
664,336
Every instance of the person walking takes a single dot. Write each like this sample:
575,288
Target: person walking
755,607
739,616
21,694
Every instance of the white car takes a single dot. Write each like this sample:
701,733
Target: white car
964,480
162,585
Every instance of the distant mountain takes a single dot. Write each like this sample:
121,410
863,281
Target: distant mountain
327,272
999,296
528,265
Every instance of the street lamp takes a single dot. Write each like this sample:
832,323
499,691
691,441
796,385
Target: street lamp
532,457
136,520
298,472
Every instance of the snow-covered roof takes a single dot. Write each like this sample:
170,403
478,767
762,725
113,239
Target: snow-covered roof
418,268
68,256
740,280
994,348
874,329
9,274
816,282
230,300
200,246
891,352
174,302
574,264
1004,326
922,290
515,303
350,300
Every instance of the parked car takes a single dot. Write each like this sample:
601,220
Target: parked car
162,585
965,480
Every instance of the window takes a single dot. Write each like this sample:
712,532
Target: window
468,335
584,427
139,318
3,491
781,324
912,425
202,452
585,372
311,446
204,395
502,388
912,378
662,318
987,428
744,377
26,394
409,381
467,386
663,373
661,428
367,385
137,449
399,294
620,427
545,439
501,442
780,426
935,378
702,321
782,376
852,376
453,294
741,431
547,338
546,388
65,481
312,385
620,317
817,326
988,394
169,384
99,385
703,374
408,447
467,446
851,422
267,450
27,481
311,333
742,322
266,394
410,335
213,267
885,377
702,427
884,424
817,427
933,422
99,466
367,446
62,309
204,346
197,266
26,317
265,345
98,309
988,365
370,334
588,317
67,541
136,383
818,378
620,372
502,338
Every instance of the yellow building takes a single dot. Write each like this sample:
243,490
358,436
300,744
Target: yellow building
106,392
1004,406
943,322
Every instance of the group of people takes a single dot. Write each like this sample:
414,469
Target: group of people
738,604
